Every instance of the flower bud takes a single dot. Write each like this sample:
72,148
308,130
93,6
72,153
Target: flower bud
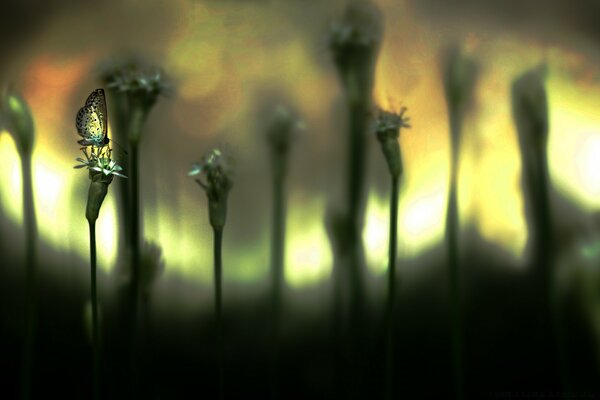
96,194
387,130
18,121
217,172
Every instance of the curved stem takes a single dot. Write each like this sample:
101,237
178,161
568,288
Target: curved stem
30,223
95,327
392,256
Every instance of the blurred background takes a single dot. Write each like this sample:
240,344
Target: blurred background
227,61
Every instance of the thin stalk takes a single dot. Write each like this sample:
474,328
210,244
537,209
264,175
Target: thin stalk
218,240
545,242
135,229
452,225
118,113
95,326
135,259
355,195
392,256
277,266
30,275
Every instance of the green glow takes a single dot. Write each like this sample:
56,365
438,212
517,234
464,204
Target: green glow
308,254
57,213
376,233
575,140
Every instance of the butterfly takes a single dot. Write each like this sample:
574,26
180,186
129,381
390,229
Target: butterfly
92,120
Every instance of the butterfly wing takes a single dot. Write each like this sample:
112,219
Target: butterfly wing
91,120
97,100
89,126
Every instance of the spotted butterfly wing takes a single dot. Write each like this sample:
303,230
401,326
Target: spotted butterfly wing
91,120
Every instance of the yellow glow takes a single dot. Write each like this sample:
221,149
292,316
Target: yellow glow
52,191
106,233
11,195
217,66
375,234
308,255
186,242
575,140
421,220
588,164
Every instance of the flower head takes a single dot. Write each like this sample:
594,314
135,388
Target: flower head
354,43
530,106
459,73
16,118
359,30
281,128
141,81
99,160
387,130
217,182
388,124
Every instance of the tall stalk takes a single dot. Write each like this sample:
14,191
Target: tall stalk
530,114
354,43
136,87
459,74
392,256
217,183
101,170
95,328
100,180
279,137
135,231
387,130
218,276
30,222
17,119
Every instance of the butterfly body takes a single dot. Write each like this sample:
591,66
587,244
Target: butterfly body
92,120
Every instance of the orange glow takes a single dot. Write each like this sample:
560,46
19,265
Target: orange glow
222,55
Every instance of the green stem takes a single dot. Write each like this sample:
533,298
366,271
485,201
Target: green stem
392,257
30,275
545,242
452,227
352,247
135,260
95,326
277,263
218,240
118,112
135,229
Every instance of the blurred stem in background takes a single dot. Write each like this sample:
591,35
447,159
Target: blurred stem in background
279,138
387,130
217,183
354,42
153,266
136,87
530,114
119,116
17,119
459,76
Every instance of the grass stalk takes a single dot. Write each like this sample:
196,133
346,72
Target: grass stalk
278,270
391,297
30,223
218,271
95,325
